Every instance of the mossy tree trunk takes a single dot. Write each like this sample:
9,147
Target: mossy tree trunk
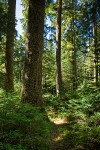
10,45
32,82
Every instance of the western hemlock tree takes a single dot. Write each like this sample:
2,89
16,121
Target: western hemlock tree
10,45
74,66
95,43
58,49
32,83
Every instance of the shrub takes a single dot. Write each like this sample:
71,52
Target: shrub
22,126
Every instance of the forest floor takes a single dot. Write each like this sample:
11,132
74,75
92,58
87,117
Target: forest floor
57,136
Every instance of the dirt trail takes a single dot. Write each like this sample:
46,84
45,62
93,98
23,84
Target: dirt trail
57,137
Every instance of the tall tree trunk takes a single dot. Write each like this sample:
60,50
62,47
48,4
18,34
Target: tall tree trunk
95,45
58,50
32,83
10,45
74,66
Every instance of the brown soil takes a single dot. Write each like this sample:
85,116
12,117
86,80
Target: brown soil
56,137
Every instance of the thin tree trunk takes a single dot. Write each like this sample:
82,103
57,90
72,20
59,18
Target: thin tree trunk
95,45
10,45
32,83
74,66
58,50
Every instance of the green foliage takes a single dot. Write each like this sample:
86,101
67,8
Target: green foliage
22,126
81,137
19,58
83,115
82,112
3,18
49,68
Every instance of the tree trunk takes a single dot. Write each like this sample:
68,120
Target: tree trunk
95,45
32,83
58,50
10,45
74,66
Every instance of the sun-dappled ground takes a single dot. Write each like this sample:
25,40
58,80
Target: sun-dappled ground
73,133
72,124
57,136
58,133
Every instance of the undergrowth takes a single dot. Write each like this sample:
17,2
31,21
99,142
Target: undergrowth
26,127
22,126
82,112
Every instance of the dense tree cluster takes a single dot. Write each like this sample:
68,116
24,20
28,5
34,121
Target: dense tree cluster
71,41
53,67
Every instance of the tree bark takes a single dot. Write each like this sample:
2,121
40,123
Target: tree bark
74,65
32,82
58,50
95,44
10,45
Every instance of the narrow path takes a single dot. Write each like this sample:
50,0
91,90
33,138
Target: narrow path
57,136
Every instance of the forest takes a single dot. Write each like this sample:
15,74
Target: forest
50,75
